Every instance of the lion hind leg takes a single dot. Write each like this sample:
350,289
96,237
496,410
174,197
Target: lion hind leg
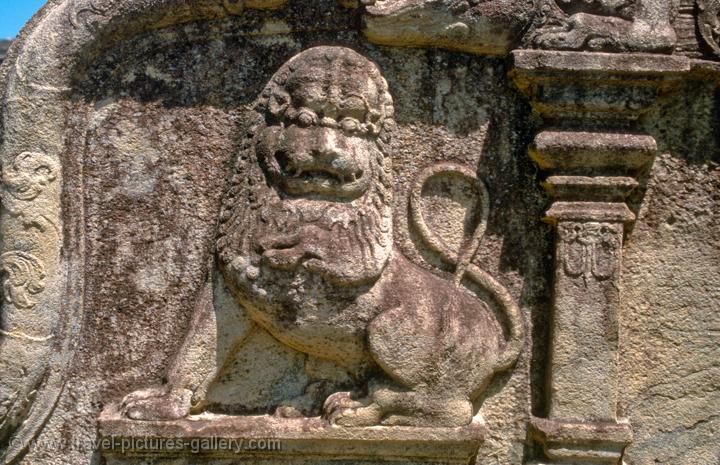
417,408
391,407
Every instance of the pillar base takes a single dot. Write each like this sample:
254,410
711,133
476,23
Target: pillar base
570,443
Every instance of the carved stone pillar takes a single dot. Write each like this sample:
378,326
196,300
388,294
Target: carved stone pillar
592,154
589,215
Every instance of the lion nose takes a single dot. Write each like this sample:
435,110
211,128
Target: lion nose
327,145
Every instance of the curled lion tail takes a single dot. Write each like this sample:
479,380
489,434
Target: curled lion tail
514,323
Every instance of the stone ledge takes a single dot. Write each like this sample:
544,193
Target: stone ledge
121,438
589,188
604,63
589,211
595,86
582,149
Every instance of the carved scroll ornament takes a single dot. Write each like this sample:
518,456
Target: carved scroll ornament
28,175
25,276
24,180
589,250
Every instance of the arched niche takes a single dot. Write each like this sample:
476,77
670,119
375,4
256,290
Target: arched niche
48,114
77,110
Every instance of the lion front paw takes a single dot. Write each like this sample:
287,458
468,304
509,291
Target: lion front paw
157,403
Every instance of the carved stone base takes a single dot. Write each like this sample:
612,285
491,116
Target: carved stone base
225,440
591,443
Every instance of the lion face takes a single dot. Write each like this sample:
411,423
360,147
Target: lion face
325,115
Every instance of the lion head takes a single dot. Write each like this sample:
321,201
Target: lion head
308,213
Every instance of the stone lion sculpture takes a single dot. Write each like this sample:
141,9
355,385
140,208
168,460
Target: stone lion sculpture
305,245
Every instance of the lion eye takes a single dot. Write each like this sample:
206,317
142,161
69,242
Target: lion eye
306,118
350,124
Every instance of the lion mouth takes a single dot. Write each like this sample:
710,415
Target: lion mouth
324,182
322,179
318,172
325,175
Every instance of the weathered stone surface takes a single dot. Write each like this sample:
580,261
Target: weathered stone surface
4,46
604,430
398,231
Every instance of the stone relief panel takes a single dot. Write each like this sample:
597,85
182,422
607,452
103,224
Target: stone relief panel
490,27
25,278
497,27
142,192
306,247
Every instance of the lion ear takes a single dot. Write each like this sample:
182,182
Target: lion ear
267,141
278,102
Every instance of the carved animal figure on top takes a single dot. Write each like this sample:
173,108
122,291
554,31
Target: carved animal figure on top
495,27
488,27
306,246
606,25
